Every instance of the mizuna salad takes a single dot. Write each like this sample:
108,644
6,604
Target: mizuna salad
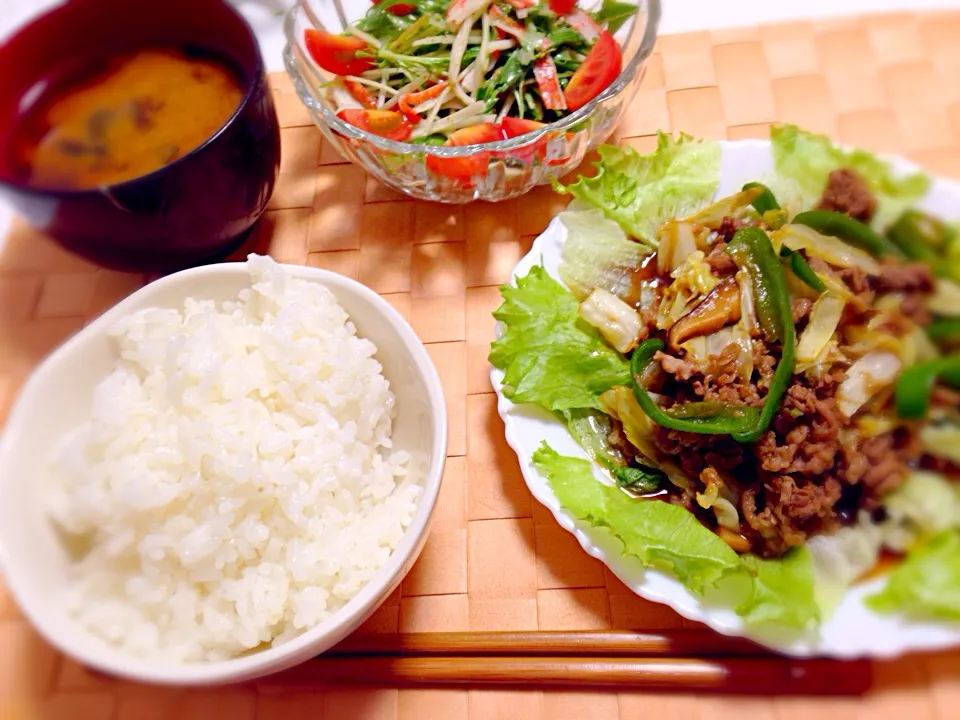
469,71
769,381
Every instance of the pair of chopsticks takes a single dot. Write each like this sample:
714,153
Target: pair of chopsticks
690,660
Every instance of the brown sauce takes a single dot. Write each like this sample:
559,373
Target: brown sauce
886,563
123,118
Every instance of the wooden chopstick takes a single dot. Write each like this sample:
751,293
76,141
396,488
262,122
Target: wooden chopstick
766,676
698,660
613,643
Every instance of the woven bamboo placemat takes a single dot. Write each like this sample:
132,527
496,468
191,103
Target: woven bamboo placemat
497,560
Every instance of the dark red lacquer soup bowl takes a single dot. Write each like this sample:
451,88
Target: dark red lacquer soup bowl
204,201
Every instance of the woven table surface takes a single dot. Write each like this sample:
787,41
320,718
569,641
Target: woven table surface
496,560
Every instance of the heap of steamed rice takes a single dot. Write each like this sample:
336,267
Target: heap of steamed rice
235,484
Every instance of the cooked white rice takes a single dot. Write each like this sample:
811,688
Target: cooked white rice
235,484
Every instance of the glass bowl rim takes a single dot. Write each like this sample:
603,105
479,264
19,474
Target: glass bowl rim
521,141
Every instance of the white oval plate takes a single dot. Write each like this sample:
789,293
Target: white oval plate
853,630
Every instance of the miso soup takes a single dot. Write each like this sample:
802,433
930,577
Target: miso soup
122,118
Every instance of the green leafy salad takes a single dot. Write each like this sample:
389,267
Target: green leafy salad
768,383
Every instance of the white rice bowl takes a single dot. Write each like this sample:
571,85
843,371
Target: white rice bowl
235,484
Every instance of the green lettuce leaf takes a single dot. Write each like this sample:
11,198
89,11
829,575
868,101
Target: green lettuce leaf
927,583
640,192
670,538
614,14
924,505
808,159
549,356
782,591
597,254
656,533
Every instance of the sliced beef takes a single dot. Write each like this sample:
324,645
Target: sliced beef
720,261
801,307
914,281
847,192
679,368
728,228
904,277
879,464
806,437
787,511
695,452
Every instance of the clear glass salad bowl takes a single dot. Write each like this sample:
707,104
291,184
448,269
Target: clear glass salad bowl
513,166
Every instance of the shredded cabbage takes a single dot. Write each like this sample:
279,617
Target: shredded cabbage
617,322
592,429
598,254
727,515
730,206
692,280
841,558
826,247
946,298
677,242
925,504
943,441
621,403
824,319
865,378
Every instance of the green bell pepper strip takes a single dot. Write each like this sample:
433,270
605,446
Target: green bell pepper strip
924,238
944,331
918,235
765,201
802,269
847,229
915,385
752,251
717,418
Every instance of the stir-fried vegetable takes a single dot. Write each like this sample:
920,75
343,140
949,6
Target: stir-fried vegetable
826,247
447,65
752,250
764,202
915,385
824,319
814,347
865,378
617,322
705,418
802,269
842,226
945,331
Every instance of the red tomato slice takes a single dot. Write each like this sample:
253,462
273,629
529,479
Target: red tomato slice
385,123
401,8
476,134
562,7
515,127
465,168
337,53
600,68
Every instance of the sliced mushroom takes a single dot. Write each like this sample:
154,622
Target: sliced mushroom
718,309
